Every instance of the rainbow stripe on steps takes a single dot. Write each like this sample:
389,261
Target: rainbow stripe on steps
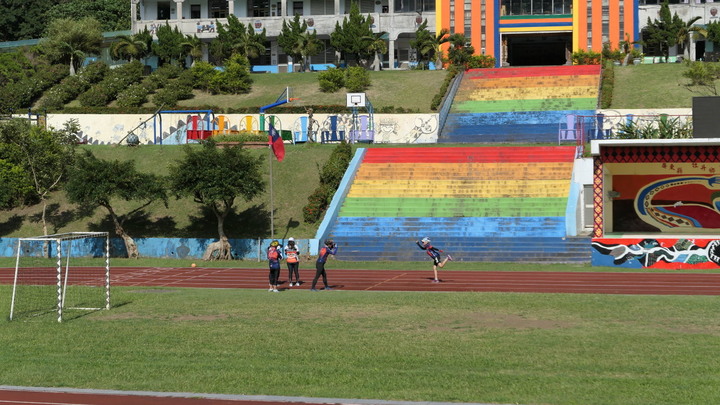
520,104
481,198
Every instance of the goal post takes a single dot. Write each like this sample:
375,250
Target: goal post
60,276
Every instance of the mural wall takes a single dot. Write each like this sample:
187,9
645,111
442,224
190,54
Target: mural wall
657,253
113,128
658,192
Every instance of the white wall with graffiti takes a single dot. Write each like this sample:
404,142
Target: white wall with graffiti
168,128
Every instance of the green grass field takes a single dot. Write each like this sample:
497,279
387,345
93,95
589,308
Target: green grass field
465,347
460,347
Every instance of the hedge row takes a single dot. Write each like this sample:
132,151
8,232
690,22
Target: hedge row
23,93
330,177
72,86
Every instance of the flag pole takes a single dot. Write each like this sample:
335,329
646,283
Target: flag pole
272,202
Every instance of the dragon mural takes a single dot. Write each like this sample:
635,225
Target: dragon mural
680,203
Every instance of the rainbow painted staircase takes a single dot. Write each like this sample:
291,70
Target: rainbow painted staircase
523,104
478,203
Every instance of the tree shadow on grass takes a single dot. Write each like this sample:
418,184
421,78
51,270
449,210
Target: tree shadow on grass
252,222
12,224
58,219
139,225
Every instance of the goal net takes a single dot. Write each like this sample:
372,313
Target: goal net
61,276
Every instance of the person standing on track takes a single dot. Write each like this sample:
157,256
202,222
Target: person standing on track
292,258
274,256
330,248
434,253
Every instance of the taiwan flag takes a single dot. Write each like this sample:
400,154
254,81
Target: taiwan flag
276,143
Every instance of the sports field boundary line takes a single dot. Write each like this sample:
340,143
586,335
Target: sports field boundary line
227,397
385,281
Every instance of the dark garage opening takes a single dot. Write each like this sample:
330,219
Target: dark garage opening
539,49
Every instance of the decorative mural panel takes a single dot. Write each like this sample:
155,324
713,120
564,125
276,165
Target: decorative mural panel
665,197
696,254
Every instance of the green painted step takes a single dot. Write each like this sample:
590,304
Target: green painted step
453,207
557,104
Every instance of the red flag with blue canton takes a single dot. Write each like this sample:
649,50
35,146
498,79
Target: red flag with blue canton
276,143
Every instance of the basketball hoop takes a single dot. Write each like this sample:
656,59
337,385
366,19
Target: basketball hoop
355,100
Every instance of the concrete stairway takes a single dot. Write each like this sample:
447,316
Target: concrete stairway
478,203
520,104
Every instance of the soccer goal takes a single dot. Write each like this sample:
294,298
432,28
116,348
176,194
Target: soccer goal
61,276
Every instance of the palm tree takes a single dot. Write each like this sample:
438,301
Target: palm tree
685,30
130,47
193,47
306,45
428,45
376,44
250,44
72,41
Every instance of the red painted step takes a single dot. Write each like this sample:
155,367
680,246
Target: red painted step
470,154
534,71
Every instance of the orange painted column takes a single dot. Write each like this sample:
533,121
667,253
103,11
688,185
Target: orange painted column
596,25
614,24
459,16
629,26
444,20
476,24
490,26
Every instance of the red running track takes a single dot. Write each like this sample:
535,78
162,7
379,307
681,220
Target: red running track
676,283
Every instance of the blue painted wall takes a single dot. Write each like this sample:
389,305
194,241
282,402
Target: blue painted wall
171,248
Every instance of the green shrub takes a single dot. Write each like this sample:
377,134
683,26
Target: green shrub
134,96
481,62
438,97
115,81
243,136
203,72
94,72
607,84
357,79
586,58
165,98
71,86
22,93
331,80
235,79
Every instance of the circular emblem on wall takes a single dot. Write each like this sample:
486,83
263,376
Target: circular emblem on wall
713,11
310,22
258,24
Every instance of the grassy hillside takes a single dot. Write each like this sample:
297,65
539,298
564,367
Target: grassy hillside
413,90
659,85
294,180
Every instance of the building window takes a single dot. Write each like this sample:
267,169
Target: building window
297,7
535,7
195,11
218,8
163,10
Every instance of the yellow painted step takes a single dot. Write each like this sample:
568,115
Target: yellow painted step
430,171
531,93
455,189
542,81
